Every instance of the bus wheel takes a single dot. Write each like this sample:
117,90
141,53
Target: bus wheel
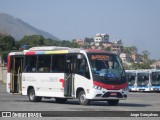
113,102
82,98
32,97
60,100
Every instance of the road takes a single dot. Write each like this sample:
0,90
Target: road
135,102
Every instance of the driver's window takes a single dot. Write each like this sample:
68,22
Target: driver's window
83,68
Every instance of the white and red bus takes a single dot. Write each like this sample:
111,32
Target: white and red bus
66,73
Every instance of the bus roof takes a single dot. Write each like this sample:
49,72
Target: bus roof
55,50
48,48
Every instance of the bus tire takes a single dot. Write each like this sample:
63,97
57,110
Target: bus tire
113,102
32,97
61,100
82,98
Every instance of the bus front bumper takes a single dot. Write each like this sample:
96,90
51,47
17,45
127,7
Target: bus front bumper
108,94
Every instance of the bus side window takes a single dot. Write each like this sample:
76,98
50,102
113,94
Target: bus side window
44,62
30,65
58,63
83,68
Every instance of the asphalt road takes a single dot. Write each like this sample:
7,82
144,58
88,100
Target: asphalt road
136,102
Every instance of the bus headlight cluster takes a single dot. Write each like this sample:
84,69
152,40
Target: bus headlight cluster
97,87
125,89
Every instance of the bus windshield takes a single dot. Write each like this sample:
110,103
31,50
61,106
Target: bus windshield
143,79
155,78
131,78
106,66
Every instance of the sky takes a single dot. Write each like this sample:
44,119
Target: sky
135,22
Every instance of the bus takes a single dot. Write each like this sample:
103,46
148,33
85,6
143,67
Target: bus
132,77
155,80
67,73
143,80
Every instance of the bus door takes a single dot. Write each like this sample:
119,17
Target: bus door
70,75
16,74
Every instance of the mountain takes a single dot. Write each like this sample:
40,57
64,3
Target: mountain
18,28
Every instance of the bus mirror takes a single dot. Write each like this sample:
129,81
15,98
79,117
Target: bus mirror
79,56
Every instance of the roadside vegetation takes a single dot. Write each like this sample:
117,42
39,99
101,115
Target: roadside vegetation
8,43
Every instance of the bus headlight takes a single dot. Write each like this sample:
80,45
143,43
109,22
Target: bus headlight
97,87
125,89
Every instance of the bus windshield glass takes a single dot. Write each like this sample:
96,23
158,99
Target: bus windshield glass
143,79
106,66
156,78
131,77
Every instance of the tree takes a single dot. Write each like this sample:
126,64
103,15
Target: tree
141,66
108,48
4,56
132,49
145,55
48,42
67,43
126,67
126,49
87,42
33,40
8,42
17,44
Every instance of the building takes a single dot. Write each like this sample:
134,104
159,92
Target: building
136,57
125,57
156,65
101,38
117,47
80,42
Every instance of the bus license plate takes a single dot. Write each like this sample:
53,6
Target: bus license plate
113,94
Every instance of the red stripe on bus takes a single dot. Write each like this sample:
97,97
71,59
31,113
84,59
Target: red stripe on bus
9,62
110,87
30,53
62,80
